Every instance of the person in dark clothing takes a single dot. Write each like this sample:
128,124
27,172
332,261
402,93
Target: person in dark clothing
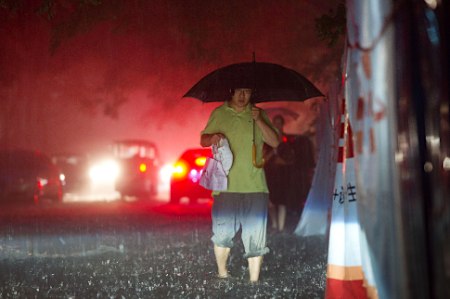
302,172
289,169
278,167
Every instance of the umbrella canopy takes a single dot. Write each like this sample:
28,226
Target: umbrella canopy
283,111
270,82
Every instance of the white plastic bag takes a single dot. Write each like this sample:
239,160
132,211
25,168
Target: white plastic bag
223,154
214,176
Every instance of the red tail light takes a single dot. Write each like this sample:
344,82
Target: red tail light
180,170
200,161
142,167
39,185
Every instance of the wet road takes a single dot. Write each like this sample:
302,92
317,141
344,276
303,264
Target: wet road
141,249
59,229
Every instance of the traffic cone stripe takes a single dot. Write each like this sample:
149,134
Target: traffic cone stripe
342,129
347,289
350,153
345,144
345,272
341,155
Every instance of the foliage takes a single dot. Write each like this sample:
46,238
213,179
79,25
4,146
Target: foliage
11,5
332,26
68,19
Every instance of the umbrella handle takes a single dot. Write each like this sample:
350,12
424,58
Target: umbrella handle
260,165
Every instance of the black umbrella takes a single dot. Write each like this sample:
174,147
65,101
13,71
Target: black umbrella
283,111
269,81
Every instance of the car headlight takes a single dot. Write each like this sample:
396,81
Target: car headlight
105,171
62,178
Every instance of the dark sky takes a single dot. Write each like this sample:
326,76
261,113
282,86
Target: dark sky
119,69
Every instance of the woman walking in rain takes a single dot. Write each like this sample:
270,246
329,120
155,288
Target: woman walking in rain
245,202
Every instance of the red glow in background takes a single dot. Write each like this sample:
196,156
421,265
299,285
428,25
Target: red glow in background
120,71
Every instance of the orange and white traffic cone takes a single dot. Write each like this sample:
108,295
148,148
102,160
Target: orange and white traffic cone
345,278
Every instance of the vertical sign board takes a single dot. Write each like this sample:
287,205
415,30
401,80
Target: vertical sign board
370,226
371,103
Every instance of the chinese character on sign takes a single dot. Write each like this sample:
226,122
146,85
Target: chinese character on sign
347,193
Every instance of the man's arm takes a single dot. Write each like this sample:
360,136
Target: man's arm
269,135
210,139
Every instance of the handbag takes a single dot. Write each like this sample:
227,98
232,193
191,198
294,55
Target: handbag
213,176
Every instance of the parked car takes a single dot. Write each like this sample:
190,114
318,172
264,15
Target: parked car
74,167
29,176
138,167
186,174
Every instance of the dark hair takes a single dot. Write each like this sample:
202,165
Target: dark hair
233,90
